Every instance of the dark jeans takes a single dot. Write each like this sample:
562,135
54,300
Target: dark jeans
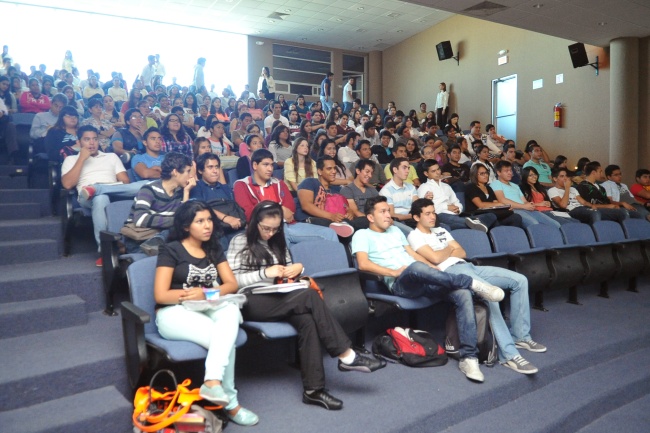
307,312
458,222
8,134
357,223
419,279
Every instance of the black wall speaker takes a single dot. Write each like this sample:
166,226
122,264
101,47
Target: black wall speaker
578,55
444,50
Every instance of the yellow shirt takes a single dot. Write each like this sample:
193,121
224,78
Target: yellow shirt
290,174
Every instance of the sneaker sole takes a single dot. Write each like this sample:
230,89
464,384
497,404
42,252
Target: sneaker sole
342,230
474,379
528,348
520,371
489,296
360,369
475,225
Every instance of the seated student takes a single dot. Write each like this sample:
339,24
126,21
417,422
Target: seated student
218,196
595,194
294,122
156,202
260,256
641,189
536,161
359,191
199,121
618,193
276,115
399,151
96,175
126,142
280,145
535,193
105,127
300,166
61,139
42,122
346,152
343,127
148,165
251,142
459,173
510,154
400,194
384,151
483,158
191,261
145,108
448,205
378,179
238,135
34,101
369,133
440,249
383,249
332,131
479,195
343,174
509,193
175,137
188,125
218,141
315,193
261,185
566,197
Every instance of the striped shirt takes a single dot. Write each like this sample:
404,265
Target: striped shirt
153,208
244,274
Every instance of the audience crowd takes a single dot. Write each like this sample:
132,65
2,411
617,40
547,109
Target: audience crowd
271,172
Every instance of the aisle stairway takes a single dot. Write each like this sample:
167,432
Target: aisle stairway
62,359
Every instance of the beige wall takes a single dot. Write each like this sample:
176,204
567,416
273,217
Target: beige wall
411,74
644,103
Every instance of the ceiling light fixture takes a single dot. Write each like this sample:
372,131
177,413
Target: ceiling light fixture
360,8
602,23
538,5
400,31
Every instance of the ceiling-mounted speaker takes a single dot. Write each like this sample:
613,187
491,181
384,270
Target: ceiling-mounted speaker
444,50
578,55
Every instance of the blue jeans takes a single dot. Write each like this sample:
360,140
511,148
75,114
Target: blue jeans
419,279
327,105
347,106
517,285
101,199
458,222
532,217
300,232
214,330
586,215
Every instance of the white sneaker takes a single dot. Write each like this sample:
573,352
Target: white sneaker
476,224
469,366
487,291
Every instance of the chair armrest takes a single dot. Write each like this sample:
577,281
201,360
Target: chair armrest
370,276
135,345
325,274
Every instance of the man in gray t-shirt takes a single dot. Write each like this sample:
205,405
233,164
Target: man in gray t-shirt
359,191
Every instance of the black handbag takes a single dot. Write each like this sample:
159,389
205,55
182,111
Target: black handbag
230,208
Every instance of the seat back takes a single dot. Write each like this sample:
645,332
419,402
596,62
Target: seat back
636,228
474,242
232,177
509,239
141,275
608,231
544,236
320,256
278,173
577,234
116,213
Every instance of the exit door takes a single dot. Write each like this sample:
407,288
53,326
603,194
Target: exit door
504,106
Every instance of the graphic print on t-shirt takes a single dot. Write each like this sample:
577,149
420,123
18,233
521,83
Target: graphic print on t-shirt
200,277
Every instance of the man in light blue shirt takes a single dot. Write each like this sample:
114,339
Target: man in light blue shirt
536,161
147,165
382,249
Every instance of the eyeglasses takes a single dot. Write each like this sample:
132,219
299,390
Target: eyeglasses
269,230
174,121
136,118
482,173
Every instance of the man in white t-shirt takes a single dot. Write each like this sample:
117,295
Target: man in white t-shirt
439,248
277,115
96,175
382,249
564,196
347,95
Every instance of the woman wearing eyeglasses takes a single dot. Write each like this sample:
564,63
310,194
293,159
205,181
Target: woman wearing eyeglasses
479,195
175,139
261,255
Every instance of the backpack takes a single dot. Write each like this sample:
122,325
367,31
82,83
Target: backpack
409,347
486,343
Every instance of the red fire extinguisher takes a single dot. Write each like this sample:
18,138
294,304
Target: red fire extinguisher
557,112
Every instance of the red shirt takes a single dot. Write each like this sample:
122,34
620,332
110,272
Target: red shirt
636,189
248,194
30,104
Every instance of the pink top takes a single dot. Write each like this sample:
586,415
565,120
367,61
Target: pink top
538,197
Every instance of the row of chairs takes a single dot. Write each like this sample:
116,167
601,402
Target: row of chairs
147,350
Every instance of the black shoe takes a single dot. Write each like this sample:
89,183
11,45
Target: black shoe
364,364
322,398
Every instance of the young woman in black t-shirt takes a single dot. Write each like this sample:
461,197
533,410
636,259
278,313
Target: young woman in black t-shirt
194,260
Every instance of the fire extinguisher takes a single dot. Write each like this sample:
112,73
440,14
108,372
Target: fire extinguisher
557,112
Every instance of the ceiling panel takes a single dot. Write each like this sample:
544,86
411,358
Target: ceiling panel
571,19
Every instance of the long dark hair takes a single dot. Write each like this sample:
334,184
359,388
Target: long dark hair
339,165
275,135
166,133
65,111
195,106
526,188
6,97
255,254
133,98
183,218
